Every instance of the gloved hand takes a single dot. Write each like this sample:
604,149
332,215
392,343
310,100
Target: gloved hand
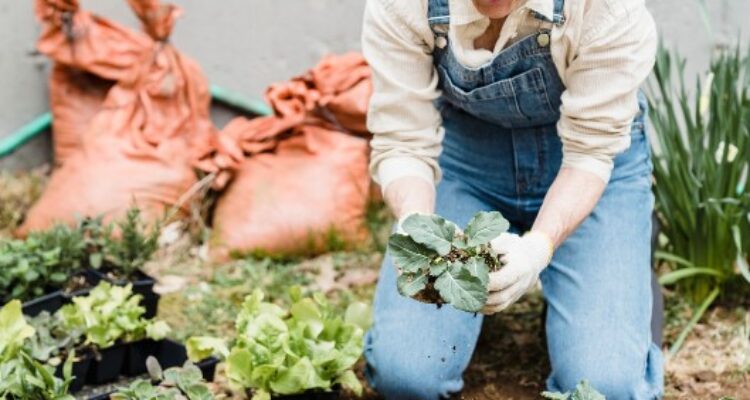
524,258
410,195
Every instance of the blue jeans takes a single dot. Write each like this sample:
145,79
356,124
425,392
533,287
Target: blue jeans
597,286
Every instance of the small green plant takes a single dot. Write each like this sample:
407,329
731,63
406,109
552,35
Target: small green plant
43,261
135,245
52,342
309,347
172,384
440,264
583,391
109,314
701,165
22,377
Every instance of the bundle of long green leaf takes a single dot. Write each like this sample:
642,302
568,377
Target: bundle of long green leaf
441,264
309,347
701,166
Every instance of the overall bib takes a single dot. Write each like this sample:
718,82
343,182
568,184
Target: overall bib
501,152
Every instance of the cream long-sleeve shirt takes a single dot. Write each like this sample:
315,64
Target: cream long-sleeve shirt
603,53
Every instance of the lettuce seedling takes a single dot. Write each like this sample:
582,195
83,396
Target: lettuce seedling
308,347
441,264
108,314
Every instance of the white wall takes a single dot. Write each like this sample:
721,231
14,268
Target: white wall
246,44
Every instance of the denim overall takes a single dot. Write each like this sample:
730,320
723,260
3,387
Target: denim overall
501,152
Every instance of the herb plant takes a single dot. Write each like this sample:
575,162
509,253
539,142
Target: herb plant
43,261
701,168
172,384
441,264
109,314
309,347
134,246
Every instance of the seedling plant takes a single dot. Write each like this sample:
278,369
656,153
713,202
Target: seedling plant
172,384
284,352
440,264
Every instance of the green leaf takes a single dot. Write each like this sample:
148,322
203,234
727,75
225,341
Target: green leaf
438,268
583,391
14,330
201,347
95,260
349,381
409,255
484,227
464,291
409,285
478,267
299,378
675,276
431,231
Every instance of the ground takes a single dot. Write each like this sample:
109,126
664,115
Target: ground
201,297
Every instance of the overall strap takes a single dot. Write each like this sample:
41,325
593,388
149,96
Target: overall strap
558,15
438,12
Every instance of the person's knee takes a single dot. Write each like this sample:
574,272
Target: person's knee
612,379
404,375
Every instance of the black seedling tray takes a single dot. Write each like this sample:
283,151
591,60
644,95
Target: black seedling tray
129,359
174,354
108,365
80,371
50,302
311,395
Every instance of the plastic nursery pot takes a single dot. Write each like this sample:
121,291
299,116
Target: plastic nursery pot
49,302
142,285
81,368
106,368
173,354
137,353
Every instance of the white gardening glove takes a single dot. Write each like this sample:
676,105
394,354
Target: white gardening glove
524,258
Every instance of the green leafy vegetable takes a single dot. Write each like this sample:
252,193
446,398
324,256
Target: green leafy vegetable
108,314
440,264
309,347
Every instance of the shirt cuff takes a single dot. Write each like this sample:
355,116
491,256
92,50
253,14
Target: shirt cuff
601,167
394,168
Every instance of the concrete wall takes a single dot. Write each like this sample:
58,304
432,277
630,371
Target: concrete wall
244,45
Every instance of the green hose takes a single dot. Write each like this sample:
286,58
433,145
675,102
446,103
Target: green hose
27,132
11,143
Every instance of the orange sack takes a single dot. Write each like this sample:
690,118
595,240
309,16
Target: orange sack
135,148
299,178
